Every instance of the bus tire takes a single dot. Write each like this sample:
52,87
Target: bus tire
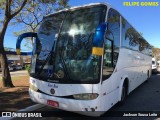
123,93
147,76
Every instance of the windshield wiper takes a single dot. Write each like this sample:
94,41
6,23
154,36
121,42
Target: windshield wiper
47,59
64,66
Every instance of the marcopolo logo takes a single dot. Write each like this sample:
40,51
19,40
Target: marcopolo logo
52,85
52,91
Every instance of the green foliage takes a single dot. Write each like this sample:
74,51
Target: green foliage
28,68
156,53
33,13
2,4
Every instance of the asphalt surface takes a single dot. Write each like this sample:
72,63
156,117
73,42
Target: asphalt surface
17,73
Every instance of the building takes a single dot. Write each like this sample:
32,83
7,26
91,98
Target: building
14,59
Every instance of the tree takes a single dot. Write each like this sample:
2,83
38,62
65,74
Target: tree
33,13
156,53
10,9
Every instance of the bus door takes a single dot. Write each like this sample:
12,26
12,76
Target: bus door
106,88
108,59
110,79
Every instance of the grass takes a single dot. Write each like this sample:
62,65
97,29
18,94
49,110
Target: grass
18,81
18,77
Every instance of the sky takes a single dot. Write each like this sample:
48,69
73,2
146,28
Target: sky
145,19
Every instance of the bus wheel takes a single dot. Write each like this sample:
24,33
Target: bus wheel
147,76
124,94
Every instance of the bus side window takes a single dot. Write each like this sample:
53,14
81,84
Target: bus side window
111,43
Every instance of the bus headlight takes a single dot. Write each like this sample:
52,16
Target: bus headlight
33,87
85,96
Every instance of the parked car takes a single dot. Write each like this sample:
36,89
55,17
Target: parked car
154,65
18,67
14,67
10,68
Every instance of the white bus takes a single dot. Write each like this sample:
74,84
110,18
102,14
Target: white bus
86,59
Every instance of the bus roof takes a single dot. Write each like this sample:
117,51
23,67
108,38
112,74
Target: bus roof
77,7
92,4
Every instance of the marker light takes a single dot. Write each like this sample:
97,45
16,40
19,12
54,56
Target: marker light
85,96
33,87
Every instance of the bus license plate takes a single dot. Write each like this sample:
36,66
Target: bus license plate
52,103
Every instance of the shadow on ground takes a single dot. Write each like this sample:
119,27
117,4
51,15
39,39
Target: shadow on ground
13,99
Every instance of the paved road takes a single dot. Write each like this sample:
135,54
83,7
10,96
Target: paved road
17,73
145,98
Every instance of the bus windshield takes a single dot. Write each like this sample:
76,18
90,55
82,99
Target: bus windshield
70,58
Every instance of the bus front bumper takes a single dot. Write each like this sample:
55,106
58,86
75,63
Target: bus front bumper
85,107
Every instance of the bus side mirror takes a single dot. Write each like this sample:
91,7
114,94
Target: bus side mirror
99,39
20,38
